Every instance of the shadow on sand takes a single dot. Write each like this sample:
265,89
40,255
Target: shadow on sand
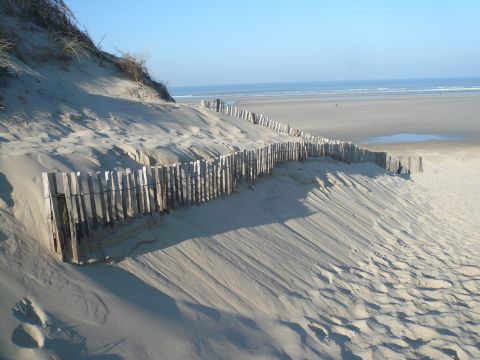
275,199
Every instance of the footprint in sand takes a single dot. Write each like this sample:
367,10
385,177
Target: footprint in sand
28,336
40,333
26,311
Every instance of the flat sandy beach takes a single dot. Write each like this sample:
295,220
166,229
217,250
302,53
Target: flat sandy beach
456,116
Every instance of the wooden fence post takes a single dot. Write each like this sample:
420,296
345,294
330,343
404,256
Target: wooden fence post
109,192
70,221
54,216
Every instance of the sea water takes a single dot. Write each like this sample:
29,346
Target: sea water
330,88
408,137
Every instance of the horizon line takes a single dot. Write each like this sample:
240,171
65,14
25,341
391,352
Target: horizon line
325,81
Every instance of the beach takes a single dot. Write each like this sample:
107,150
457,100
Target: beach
358,119
137,222
321,260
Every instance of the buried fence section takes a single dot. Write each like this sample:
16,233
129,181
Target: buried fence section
83,211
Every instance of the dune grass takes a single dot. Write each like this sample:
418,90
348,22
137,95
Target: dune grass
5,61
132,65
70,46
71,42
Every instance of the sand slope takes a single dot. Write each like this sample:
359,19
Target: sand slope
323,260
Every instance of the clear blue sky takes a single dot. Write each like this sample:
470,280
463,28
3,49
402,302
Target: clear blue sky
253,41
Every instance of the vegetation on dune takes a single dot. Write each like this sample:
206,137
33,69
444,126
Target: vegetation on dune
5,65
134,67
70,47
53,15
73,43
5,48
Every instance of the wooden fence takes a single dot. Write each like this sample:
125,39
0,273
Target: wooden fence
395,164
84,211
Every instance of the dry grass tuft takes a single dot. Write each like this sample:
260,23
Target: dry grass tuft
5,48
70,47
5,63
132,65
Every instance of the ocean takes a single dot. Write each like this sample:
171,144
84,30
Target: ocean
329,88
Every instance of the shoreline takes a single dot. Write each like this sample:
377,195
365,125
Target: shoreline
361,119
326,97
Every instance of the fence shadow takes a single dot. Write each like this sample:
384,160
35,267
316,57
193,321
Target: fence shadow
185,319
274,199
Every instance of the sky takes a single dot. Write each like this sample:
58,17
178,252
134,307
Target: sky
189,43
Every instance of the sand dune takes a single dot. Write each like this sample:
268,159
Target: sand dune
321,260
324,260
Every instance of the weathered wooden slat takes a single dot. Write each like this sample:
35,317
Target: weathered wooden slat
117,195
146,191
165,190
138,176
49,212
91,195
75,193
156,189
181,183
109,191
70,221
59,216
199,175
216,175
132,193
228,176
101,194
207,181
53,214
123,181
196,177
234,171
75,213
173,186
191,180
213,179
204,180
185,183
86,241
174,172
